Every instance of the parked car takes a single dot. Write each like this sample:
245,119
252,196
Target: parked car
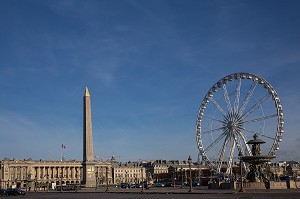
159,184
125,185
285,178
169,184
2,192
131,185
194,184
66,188
15,191
136,186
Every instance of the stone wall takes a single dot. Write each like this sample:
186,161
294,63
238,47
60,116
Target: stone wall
269,185
256,185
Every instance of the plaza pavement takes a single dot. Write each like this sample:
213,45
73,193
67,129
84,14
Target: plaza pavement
165,193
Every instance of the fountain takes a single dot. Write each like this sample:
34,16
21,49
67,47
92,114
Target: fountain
256,161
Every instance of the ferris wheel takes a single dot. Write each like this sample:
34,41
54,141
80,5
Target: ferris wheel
234,109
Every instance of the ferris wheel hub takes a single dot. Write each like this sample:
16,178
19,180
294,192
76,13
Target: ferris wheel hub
231,125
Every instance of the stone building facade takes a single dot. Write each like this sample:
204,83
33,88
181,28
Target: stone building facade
30,174
163,170
130,173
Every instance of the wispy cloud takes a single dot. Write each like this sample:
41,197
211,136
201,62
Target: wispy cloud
34,139
152,61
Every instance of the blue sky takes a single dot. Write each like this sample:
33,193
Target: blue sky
148,65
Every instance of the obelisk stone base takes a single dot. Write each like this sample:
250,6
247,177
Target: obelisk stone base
89,178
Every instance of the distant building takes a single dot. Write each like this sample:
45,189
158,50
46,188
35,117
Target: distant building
129,172
41,174
168,171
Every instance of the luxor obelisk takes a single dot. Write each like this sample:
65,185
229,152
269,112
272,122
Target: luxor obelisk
88,178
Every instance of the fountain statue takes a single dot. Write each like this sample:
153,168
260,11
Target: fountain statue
256,161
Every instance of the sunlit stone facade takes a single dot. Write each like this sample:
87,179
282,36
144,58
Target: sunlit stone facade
29,174
131,173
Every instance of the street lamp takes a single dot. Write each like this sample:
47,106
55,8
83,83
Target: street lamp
78,181
47,176
26,181
181,177
142,179
190,162
61,187
135,180
241,172
29,178
35,183
199,172
126,179
106,173
174,179
96,176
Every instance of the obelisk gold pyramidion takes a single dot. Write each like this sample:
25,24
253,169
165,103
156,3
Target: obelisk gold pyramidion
88,178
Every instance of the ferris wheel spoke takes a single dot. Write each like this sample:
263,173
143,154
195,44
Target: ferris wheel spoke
256,105
257,133
237,140
212,130
215,142
238,143
214,119
237,96
222,152
259,119
229,166
248,96
217,106
227,100
244,139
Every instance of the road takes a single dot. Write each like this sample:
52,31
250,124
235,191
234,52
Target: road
165,194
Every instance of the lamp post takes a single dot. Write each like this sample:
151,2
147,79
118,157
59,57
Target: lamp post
78,178
181,177
135,180
29,178
199,171
48,187
96,176
190,162
126,179
61,176
241,172
35,183
26,181
119,181
142,179
106,173
173,179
